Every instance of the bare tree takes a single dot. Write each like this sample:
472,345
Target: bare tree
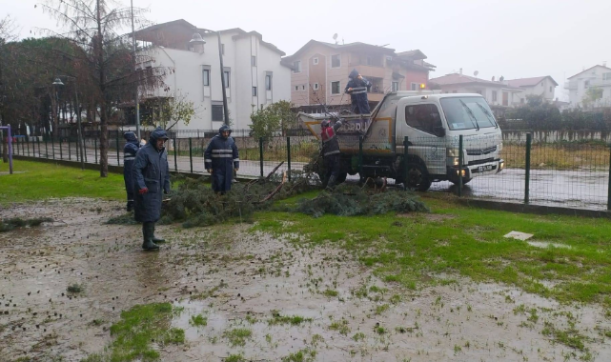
106,61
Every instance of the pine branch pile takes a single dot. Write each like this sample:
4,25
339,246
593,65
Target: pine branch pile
352,200
15,223
194,203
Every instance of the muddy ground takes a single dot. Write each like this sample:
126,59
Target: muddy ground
241,279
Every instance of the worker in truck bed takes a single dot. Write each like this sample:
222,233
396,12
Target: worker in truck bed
330,152
358,87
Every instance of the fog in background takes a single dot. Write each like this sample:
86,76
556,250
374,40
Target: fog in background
514,39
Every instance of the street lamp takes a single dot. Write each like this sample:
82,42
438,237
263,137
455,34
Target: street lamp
198,40
58,82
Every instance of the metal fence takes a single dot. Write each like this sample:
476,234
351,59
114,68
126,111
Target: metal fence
567,174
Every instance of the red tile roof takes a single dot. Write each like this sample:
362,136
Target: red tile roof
456,78
529,82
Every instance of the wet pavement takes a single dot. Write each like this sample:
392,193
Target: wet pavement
238,278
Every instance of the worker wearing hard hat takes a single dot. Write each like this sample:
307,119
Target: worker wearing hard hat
358,87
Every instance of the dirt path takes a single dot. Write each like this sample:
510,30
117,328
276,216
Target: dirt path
238,279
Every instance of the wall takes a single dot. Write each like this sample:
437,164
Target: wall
412,76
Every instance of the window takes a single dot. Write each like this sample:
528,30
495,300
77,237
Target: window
303,87
424,117
297,66
550,89
217,112
467,113
296,87
206,77
315,86
335,61
334,87
395,86
315,61
254,91
521,100
268,82
368,61
227,78
223,49
586,84
607,76
414,86
494,96
253,60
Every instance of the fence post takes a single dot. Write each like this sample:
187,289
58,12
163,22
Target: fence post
190,155
84,149
46,148
361,158
175,155
95,149
117,142
61,148
261,154
53,147
609,188
527,170
288,155
405,161
38,142
460,162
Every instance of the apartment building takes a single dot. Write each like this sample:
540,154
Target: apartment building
252,68
320,72
596,78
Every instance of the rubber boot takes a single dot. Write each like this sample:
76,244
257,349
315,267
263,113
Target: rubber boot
147,233
331,183
156,239
130,205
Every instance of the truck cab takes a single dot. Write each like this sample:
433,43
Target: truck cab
432,124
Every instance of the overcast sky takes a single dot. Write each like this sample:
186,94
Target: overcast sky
516,39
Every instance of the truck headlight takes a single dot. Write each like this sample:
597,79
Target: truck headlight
452,152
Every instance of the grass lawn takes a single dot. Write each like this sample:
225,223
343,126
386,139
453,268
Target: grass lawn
39,181
410,249
459,241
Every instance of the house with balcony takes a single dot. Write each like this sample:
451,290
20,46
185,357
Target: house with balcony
497,93
594,81
252,70
536,86
320,72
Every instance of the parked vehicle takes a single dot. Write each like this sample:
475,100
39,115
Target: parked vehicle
433,124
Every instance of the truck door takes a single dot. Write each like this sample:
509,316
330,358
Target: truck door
422,124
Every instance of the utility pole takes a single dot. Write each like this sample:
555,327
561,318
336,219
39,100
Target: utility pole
218,33
137,102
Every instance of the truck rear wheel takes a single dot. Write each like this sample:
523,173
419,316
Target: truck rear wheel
417,177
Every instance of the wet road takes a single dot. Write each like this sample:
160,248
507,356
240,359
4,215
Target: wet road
583,189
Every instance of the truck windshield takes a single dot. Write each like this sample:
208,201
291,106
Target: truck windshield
467,113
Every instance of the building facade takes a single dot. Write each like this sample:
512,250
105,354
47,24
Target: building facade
536,86
254,75
595,81
496,93
320,72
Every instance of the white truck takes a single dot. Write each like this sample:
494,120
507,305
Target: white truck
433,124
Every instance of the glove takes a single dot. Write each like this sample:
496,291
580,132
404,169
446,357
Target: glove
143,191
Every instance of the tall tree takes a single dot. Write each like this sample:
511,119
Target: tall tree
106,61
7,33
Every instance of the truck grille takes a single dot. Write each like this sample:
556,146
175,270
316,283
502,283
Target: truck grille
480,151
479,162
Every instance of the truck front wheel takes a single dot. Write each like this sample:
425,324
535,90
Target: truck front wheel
417,177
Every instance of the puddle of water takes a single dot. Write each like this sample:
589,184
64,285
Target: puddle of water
545,244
